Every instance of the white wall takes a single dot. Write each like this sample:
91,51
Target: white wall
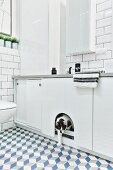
34,36
54,34
103,59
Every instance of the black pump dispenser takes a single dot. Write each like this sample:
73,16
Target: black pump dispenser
53,71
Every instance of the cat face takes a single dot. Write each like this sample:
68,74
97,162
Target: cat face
60,125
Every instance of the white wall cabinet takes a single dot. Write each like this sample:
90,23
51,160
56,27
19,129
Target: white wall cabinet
29,103
103,118
80,26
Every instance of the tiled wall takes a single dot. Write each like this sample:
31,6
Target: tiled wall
9,66
103,59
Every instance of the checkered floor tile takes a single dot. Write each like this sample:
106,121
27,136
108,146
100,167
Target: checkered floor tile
24,150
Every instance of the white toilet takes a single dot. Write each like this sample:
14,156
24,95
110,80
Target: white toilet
7,112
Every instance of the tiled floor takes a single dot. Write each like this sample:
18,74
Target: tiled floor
20,149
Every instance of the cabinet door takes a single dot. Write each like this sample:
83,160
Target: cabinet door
103,117
78,102
33,102
53,103
60,96
21,115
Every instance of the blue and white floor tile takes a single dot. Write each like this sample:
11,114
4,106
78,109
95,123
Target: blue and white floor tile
24,150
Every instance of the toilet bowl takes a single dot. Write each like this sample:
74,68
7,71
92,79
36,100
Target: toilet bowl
7,111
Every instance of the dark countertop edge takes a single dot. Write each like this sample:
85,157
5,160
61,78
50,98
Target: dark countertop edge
54,76
42,76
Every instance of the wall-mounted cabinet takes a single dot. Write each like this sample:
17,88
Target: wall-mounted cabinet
80,26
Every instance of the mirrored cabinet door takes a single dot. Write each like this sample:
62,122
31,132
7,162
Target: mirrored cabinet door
80,26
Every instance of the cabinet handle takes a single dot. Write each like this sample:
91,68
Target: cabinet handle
17,84
40,84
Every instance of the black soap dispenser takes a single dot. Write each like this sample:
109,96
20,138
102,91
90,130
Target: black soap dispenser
53,71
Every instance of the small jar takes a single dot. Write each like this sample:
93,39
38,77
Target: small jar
54,71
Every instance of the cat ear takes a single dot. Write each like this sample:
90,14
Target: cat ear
61,120
68,123
58,126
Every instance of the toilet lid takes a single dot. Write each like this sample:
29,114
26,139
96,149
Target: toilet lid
7,105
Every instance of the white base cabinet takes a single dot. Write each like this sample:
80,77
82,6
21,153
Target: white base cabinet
60,96
40,101
39,105
103,118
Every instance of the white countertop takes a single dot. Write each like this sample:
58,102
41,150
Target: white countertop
54,76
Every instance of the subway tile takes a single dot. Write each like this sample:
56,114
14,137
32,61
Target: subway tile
76,58
7,58
13,65
3,92
7,71
104,6
104,22
98,46
17,59
96,64
88,57
107,55
100,15
7,85
108,65
94,69
99,31
108,46
108,30
10,91
104,39
9,78
3,77
108,13
84,65
100,1
16,72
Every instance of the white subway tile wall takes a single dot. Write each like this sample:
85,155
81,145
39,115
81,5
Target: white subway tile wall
9,66
103,58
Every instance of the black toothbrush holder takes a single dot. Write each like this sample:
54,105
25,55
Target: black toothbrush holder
77,67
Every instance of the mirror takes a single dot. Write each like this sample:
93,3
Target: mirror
80,26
